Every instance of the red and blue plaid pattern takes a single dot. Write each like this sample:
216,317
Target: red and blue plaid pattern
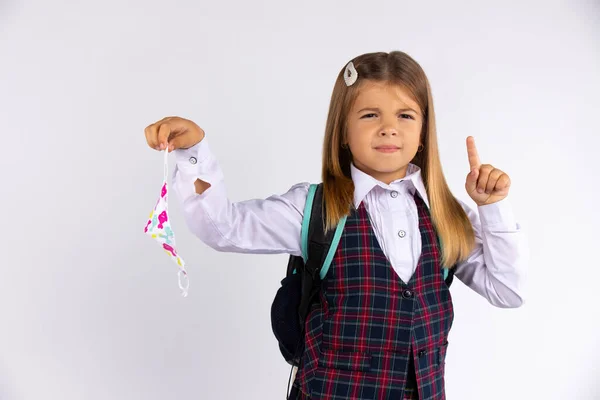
373,336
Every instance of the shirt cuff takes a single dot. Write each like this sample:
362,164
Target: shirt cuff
189,160
196,162
498,215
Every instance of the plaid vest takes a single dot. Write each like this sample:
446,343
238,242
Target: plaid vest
371,332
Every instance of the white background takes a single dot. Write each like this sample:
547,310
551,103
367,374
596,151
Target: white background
89,305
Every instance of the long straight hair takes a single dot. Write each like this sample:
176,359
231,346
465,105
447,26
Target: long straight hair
453,227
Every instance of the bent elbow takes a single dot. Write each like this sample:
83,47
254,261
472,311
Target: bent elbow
514,300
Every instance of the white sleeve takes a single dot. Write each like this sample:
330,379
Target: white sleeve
261,226
495,268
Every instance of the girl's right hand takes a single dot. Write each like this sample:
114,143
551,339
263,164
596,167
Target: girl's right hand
174,132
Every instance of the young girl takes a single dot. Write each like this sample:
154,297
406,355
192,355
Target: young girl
380,329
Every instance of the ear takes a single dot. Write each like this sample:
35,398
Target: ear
344,140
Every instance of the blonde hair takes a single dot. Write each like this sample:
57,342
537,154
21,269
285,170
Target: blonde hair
453,227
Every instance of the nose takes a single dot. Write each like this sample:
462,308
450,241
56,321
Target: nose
389,125
388,130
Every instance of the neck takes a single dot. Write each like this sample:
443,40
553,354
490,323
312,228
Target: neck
386,177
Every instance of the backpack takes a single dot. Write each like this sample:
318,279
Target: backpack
302,282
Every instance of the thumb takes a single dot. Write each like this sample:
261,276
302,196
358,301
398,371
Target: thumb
177,142
471,184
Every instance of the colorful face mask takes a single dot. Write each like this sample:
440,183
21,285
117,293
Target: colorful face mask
159,227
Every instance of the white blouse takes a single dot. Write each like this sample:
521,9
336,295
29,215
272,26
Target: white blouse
494,269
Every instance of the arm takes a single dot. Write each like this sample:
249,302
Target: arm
496,266
259,226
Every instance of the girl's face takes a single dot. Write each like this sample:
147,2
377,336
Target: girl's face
384,129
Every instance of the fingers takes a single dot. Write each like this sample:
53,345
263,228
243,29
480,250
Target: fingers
484,175
148,135
173,133
471,184
503,182
151,133
163,135
474,161
491,179
157,134
176,142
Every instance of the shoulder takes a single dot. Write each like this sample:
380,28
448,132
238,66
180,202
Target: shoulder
298,190
294,196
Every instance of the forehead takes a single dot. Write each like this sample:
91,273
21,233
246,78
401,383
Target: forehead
381,94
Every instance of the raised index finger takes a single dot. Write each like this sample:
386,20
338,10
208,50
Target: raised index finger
472,153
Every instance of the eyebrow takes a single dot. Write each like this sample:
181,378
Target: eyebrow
378,110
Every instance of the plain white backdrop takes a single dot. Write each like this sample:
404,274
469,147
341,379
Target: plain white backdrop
89,305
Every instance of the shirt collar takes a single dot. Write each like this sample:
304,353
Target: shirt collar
364,183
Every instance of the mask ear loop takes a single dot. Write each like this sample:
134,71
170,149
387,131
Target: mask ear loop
184,289
182,272
166,165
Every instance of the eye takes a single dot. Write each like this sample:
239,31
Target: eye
406,115
367,115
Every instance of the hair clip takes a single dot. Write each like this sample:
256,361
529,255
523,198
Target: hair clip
350,74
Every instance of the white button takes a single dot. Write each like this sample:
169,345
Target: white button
401,233
193,160
394,194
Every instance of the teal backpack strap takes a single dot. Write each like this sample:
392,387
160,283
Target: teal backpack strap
305,232
333,247
441,247
306,219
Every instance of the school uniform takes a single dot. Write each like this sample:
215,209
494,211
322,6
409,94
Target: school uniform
380,329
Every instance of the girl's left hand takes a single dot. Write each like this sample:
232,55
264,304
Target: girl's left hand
485,184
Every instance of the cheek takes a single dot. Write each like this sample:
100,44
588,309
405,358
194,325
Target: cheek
413,134
359,137
359,144
413,141
350,135
362,130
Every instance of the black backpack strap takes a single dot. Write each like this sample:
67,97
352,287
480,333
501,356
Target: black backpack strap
450,276
319,242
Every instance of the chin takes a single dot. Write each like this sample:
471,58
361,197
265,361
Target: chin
381,164
389,167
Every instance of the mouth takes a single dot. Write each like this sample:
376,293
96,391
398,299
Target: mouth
387,148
